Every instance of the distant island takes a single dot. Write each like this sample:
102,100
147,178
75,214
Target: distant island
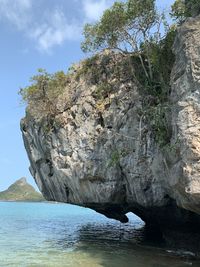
21,191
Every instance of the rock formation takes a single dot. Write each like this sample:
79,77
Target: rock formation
102,154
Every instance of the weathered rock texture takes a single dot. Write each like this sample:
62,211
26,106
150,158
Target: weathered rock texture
185,172
104,156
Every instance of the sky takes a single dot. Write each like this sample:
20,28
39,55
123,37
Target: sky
36,34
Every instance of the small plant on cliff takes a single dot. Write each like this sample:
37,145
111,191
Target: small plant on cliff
182,9
115,159
43,91
159,124
89,66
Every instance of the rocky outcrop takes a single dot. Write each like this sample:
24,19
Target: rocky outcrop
102,154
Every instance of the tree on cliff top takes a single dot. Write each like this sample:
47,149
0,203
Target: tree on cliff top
130,28
182,9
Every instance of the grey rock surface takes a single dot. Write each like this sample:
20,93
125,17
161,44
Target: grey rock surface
103,154
185,172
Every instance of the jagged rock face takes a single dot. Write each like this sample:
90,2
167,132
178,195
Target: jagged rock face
185,172
104,156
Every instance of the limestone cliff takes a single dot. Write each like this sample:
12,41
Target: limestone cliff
101,153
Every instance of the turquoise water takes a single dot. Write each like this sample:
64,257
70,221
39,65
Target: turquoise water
58,235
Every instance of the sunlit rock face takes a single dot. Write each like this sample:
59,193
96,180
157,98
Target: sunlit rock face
103,154
185,96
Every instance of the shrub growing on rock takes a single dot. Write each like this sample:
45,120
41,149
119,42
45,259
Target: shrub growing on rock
132,27
43,91
182,9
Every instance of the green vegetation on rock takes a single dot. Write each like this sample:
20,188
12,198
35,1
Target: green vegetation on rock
44,91
21,191
182,9
140,39
132,28
135,29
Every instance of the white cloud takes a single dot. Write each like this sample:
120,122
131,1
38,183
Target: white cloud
48,26
54,31
16,12
94,8
47,31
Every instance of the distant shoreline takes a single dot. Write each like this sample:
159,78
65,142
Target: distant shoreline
32,201
27,201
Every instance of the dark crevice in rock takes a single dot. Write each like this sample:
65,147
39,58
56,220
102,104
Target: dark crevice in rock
49,163
100,120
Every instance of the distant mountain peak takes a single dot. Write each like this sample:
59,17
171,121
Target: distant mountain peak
21,190
21,181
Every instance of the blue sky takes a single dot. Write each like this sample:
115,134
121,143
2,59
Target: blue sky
35,34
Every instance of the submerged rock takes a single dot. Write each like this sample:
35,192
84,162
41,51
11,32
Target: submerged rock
101,153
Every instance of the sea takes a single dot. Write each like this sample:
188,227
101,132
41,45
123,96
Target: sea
59,235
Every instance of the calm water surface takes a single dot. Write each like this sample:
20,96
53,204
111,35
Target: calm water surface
59,235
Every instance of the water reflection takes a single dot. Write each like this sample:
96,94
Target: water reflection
43,235
101,232
116,245
123,246
115,234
